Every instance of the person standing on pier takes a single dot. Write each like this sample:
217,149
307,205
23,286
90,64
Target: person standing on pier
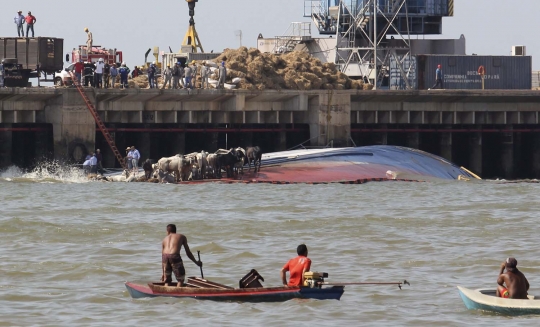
19,21
222,76
167,75
30,21
438,78
204,76
124,73
152,75
98,74
189,75
114,73
79,67
106,73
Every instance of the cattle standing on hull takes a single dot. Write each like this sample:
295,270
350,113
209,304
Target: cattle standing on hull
211,167
239,166
202,162
147,166
172,165
226,161
254,154
164,177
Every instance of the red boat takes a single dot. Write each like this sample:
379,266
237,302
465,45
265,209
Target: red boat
250,290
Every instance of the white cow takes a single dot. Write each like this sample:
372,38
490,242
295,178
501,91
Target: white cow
211,165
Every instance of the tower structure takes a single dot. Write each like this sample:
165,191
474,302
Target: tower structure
373,37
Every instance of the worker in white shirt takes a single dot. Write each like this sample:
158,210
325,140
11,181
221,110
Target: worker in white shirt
135,156
98,74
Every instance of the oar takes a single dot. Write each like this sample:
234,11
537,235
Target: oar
367,283
199,254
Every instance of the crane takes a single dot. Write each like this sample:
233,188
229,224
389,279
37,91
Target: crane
192,38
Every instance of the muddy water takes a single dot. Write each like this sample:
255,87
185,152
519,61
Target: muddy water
69,245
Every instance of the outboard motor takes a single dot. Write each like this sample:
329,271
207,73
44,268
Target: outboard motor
314,279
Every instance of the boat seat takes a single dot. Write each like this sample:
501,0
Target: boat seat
203,283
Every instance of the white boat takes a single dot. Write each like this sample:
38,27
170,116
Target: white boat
485,299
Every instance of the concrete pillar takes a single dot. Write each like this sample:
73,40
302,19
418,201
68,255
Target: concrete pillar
446,146
329,116
507,155
281,140
43,151
475,155
144,146
179,146
413,139
6,145
536,155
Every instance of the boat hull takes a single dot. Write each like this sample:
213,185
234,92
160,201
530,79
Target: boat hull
485,299
272,294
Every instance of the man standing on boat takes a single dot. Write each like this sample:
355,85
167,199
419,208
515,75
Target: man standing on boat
296,268
515,281
170,256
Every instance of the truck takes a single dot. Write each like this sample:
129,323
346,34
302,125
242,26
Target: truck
26,58
109,56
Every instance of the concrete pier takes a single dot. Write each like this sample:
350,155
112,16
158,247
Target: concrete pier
166,122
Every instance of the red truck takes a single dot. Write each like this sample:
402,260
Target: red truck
110,56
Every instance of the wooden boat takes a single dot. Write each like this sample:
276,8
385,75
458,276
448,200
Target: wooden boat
218,292
485,299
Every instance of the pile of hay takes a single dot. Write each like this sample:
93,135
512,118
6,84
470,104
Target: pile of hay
292,71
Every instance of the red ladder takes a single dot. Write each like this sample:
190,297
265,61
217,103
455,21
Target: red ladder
99,122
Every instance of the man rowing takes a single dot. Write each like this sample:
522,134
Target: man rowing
170,256
513,283
296,268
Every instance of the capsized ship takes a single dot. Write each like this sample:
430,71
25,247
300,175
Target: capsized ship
356,165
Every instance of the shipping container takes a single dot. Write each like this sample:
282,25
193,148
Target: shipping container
461,72
44,52
536,80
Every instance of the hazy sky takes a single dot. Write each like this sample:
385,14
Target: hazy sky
133,26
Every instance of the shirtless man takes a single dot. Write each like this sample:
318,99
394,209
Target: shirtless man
170,256
516,283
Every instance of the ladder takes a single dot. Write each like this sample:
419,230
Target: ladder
99,122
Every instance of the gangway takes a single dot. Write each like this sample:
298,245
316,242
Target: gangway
99,122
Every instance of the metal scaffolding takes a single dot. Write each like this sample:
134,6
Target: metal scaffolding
372,36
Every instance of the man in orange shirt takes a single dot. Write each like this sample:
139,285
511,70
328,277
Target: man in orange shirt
296,268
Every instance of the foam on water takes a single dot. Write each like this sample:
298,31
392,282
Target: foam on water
45,172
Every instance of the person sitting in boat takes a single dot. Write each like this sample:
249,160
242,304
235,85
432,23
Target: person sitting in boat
296,268
513,283
170,256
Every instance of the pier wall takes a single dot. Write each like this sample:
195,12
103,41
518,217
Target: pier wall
493,133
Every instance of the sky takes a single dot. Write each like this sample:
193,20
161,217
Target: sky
134,26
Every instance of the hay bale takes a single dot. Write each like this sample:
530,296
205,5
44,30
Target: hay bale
295,70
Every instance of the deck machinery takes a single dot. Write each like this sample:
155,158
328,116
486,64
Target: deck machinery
372,35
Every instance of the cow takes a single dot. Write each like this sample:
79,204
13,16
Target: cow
227,161
147,166
119,178
187,166
164,177
202,162
211,165
254,154
239,166
172,164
